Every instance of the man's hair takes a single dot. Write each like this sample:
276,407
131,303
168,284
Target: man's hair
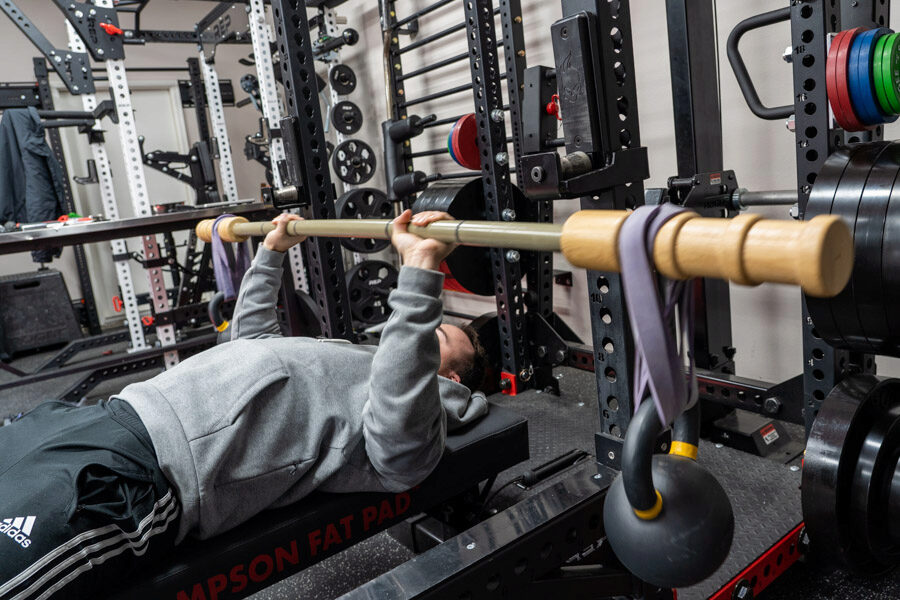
472,372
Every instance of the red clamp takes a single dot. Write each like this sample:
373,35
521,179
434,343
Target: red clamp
111,29
553,107
147,320
117,304
508,384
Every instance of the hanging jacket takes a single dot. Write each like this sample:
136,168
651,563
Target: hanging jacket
31,179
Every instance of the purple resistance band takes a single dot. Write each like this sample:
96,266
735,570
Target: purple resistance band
229,273
660,352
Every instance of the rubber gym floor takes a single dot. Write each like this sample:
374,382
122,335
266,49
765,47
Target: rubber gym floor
556,425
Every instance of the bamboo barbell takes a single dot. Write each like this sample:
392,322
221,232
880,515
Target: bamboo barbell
817,254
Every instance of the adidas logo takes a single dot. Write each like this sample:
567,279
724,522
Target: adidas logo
18,529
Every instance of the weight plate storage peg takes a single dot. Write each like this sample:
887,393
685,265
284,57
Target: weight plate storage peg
369,284
862,88
353,162
364,203
342,79
346,117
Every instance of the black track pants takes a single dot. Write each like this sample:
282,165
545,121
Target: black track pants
83,503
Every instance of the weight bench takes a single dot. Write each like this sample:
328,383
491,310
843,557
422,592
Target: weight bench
282,542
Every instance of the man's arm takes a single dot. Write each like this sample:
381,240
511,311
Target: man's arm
403,421
404,425
254,311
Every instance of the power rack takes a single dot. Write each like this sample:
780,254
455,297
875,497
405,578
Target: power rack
94,33
594,76
594,70
526,325
38,95
307,164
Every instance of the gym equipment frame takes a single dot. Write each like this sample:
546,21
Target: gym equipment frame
521,332
306,165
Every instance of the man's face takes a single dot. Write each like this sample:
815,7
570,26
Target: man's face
456,351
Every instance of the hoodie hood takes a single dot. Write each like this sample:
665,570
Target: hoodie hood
461,405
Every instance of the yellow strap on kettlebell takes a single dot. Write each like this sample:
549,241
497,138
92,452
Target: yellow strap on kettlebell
685,449
650,513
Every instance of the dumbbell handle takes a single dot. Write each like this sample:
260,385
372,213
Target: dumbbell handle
816,254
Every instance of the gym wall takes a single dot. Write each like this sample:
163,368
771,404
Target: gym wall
161,14
765,320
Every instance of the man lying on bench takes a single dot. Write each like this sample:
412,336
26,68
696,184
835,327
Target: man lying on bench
89,494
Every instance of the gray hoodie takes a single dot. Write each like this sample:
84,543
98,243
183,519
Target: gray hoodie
263,420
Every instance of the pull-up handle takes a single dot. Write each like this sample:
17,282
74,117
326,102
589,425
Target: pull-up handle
740,70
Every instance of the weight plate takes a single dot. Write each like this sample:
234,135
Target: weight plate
250,84
831,78
369,284
821,199
893,497
464,141
346,117
890,268
862,90
881,76
833,452
869,514
891,71
364,203
343,79
868,241
845,115
468,267
450,146
309,317
847,200
488,328
353,162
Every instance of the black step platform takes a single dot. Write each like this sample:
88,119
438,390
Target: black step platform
279,543
765,496
508,554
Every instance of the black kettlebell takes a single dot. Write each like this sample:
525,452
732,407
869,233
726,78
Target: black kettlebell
684,536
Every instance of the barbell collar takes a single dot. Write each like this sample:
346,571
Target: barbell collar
286,194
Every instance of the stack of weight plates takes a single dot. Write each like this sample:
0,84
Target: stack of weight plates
863,78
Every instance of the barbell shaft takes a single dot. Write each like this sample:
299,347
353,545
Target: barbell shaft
816,254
